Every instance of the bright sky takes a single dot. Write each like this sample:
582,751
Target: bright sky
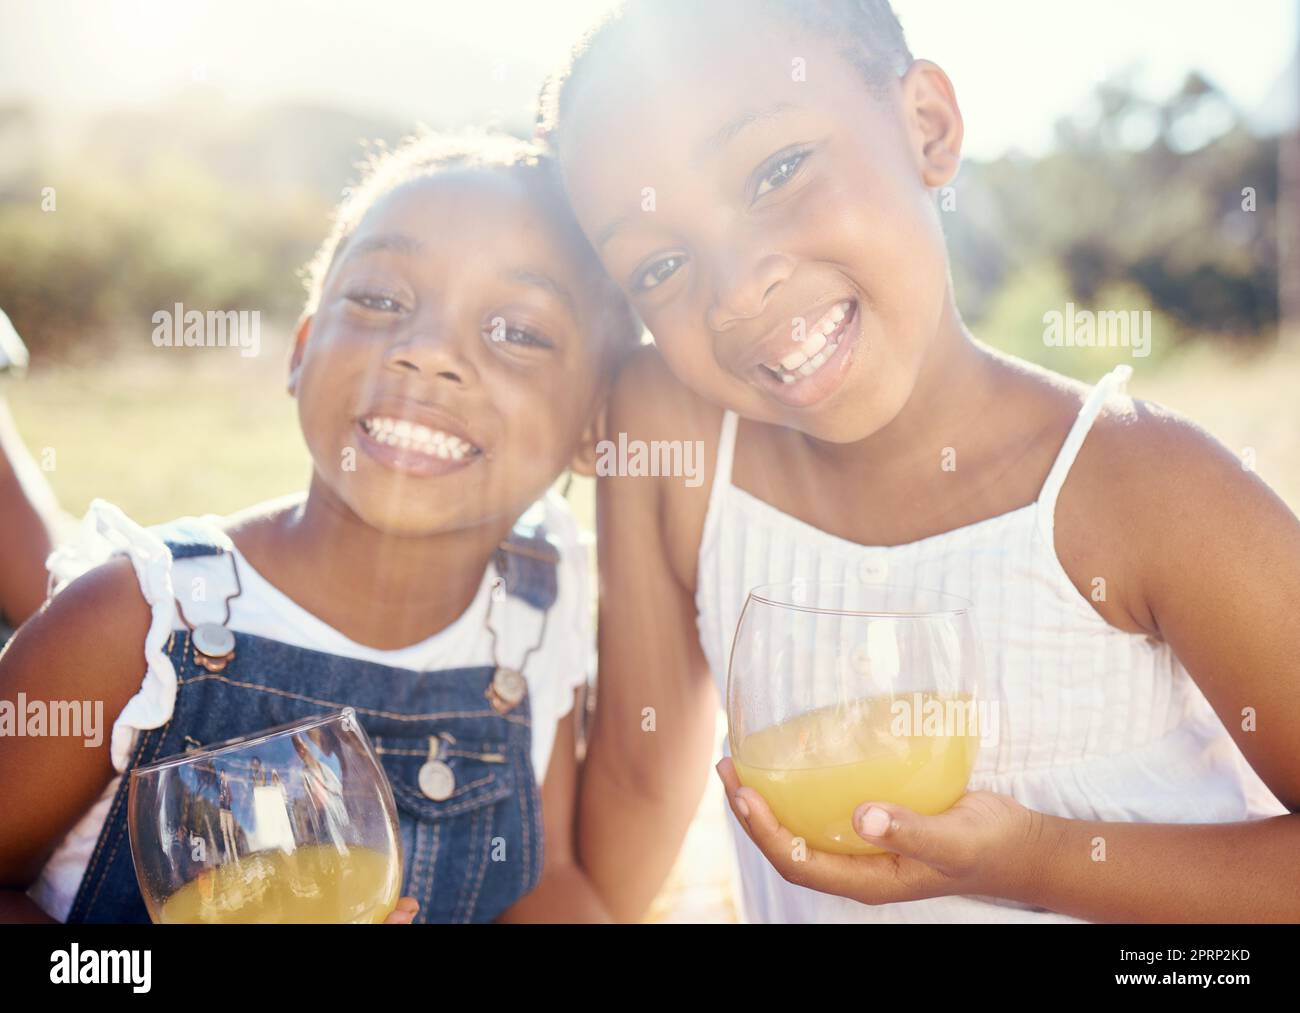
1018,65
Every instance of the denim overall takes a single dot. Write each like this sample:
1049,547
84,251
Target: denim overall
452,849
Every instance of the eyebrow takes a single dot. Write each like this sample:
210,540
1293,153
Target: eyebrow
545,283
721,137
737,125
392,242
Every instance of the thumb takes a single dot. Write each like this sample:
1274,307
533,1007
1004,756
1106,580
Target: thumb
902,831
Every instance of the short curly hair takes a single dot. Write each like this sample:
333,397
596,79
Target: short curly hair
868,32
428,153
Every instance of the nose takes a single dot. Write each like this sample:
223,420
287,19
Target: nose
742,290
431,351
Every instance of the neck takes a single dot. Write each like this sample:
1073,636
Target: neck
376,588
954,384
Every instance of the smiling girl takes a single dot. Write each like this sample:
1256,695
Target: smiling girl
760,177
449,367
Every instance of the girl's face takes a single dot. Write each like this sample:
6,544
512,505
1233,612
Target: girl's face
771,220
450,371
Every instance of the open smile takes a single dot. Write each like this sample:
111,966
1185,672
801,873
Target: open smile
816,366
414,447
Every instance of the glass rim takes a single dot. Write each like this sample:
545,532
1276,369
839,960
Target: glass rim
765,594
244,741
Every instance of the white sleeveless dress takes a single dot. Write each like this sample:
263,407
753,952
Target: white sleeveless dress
1095,723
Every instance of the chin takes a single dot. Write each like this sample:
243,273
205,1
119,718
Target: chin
406,519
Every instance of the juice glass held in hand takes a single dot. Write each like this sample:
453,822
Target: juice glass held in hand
842,693
294,824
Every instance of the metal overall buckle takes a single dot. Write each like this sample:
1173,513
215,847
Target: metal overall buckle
213,643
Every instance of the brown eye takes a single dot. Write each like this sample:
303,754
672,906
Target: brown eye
781,173
657,273
376,302
499,332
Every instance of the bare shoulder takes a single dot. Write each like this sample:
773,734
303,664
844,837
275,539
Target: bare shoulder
85,645
648,397
1145,454
1152,498
652,413
91,634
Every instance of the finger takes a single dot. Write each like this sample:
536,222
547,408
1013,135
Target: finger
727,771
404,913
871,879
898,829
803,865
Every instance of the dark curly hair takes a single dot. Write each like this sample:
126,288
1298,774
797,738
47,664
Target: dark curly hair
868,32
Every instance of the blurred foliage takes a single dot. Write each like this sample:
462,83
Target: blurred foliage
198,200
1138,206
193,202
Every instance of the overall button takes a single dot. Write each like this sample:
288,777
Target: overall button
873,570
507,689
437,781
214,646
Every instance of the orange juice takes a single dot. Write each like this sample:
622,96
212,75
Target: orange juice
316,883
815,769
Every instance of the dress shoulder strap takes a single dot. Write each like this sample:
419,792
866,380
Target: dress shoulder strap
726,450
726,454
1109,385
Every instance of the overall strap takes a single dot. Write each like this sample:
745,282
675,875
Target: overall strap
187,537
1109,384
528,562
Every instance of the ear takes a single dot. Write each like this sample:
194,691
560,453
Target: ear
299,350
584,457
934,121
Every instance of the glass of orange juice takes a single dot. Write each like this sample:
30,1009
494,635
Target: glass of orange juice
843,693
294,824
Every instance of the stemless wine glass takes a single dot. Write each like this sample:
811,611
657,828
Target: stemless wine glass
293,824
843,693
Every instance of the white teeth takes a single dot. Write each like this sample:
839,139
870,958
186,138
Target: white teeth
808,366
813,345
409,435
809,348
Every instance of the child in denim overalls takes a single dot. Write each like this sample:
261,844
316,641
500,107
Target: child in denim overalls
450,365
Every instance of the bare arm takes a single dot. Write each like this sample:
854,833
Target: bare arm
86,644
27,506
653,733
563,893
1214,569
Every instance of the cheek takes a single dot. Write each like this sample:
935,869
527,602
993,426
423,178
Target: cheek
318,413
886,233
539,427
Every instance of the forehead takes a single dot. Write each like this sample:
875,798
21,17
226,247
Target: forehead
439,205
668,95
492,218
